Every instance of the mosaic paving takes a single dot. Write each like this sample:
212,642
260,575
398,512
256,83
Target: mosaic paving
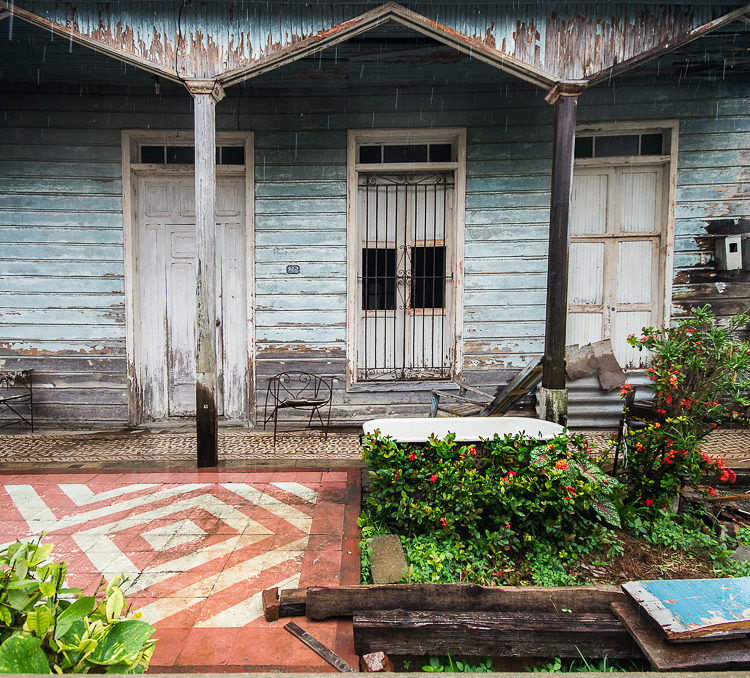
301,449
198,549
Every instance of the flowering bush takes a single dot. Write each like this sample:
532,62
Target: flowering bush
700,374
499,497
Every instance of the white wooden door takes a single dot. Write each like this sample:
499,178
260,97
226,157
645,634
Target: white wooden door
165,281
615,281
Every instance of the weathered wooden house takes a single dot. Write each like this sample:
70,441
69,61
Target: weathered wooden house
392,192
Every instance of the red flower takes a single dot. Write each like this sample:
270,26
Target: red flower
649,502
473,451
412,456
397,474
433,478
571,490
711,491
442,521
562,465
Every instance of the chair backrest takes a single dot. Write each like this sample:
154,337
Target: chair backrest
299,385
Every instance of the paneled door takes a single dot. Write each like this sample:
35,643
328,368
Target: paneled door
616,281
165,281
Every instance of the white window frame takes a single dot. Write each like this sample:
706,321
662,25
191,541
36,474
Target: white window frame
670,129
456,137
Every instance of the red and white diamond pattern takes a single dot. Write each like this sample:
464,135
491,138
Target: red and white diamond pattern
196,553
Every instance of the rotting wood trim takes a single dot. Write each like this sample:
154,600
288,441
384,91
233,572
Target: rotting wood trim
96,45
292,602
343,601
669,46
506,634
391,11
565,88
210,87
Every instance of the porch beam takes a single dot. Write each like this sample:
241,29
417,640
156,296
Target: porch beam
206,94
553,365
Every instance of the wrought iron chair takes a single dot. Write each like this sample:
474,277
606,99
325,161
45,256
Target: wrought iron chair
298,391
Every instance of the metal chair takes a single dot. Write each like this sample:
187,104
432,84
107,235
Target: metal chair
298,391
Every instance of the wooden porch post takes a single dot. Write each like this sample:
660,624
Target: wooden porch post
554,401
206,94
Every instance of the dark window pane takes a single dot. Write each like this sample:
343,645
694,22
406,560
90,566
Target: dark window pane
232,155
624,144
369,154
441,152
378,279
180,155
427,277
152,154
584,147
651,144
405,153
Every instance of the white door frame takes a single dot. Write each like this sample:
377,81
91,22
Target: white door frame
454,135
130,143
670,129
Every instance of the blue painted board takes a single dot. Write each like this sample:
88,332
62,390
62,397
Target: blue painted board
694,608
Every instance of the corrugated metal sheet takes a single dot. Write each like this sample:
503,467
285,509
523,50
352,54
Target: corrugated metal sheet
205,39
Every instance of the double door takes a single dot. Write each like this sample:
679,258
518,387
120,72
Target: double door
165,276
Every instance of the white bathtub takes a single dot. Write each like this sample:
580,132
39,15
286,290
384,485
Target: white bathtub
467,429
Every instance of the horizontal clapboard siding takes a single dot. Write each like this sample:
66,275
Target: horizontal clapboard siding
61,249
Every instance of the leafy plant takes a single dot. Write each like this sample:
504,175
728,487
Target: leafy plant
48,628
447,665
581,665
700,374
464,511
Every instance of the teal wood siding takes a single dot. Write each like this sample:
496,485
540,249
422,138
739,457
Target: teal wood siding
61,257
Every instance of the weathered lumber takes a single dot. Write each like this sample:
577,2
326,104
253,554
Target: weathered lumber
505,634
666,656
292,602
343,601
270,598
694,608
321,650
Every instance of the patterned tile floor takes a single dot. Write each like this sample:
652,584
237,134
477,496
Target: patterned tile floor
198,549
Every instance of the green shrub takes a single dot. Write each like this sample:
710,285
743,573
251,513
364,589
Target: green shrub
47,628
700,374
462,510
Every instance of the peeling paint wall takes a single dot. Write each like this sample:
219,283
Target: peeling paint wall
61,262
205,39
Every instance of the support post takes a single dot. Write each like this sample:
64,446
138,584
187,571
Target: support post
554,397
206,94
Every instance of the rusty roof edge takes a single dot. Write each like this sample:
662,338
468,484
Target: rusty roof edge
390,11
96,45
669,46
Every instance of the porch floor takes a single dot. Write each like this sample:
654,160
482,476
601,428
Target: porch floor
239,448
198,548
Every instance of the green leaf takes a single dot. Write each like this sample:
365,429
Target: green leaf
18,600
115,603
539,456
40,554
72,637
123,642
73,613
607,510
38,621
23,654
47,588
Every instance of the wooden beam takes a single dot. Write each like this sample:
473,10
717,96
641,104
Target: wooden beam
4,14
292,602
342,601
86,41
206,94
667,47
483,634
553,363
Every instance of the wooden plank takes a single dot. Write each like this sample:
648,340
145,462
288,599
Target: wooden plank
292,602
666,656
338,601
694,608
559,242
506,634
321,650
